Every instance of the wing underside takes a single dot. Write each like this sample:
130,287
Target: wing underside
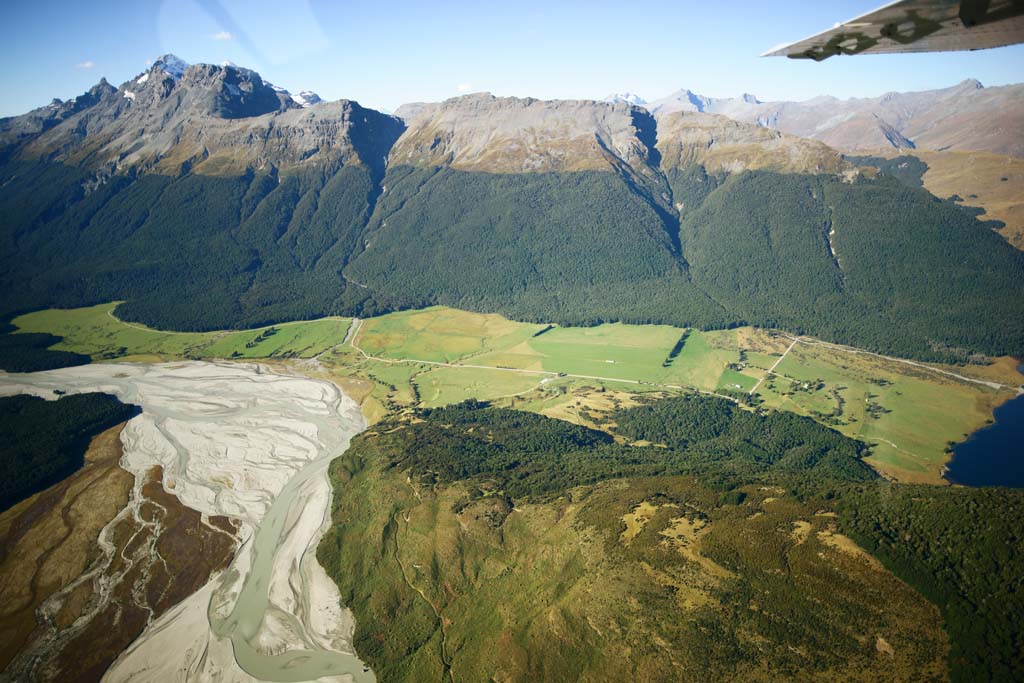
916,26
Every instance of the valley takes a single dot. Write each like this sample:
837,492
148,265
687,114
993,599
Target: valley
909,412
509,389
271,613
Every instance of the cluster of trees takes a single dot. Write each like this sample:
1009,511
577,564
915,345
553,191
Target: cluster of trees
963,548
30,352
905,168
45,441
527,454
734,446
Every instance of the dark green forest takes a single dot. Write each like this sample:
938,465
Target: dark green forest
31,352
189,253
963,548
960,547
872,263
529,455
45,441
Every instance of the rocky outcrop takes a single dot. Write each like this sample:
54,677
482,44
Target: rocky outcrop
511,135
721,144
15,129
482,132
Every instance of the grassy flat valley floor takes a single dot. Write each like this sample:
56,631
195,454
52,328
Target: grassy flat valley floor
909,412
97,332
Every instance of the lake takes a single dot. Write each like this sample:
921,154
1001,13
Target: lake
993,455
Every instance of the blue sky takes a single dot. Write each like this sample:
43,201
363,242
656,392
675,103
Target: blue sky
386,53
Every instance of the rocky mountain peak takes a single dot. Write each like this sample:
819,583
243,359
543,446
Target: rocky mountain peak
172,65
721,144
626,97
227,92
307,98
969,84
682,100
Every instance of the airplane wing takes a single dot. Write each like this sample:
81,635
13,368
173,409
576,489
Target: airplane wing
916,26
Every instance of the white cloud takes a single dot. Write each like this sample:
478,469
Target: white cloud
86,65
222,35
464,87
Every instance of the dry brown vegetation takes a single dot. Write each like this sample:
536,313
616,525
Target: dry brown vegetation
50,539
96,603
993,182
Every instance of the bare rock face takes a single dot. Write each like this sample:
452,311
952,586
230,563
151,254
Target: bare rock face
511,135
203,118
721,144
14,129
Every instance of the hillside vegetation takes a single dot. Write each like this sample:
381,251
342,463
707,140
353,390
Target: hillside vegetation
716,554
44,441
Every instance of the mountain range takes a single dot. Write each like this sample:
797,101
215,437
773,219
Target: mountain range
967,116
204,197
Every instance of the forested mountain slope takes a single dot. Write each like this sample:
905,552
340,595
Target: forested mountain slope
692,219
205,198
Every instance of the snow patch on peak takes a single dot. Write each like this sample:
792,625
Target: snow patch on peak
627,97
128,94
172,65
306,98
143,78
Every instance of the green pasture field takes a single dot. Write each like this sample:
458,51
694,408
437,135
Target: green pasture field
908,414
444,386
96,331
440,334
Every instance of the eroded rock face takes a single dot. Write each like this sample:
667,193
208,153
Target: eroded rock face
721,144
482,132
14,129
215,120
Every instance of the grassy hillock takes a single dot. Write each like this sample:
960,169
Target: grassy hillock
44,441
474,542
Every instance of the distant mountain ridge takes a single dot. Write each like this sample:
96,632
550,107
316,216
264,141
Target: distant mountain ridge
967,116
